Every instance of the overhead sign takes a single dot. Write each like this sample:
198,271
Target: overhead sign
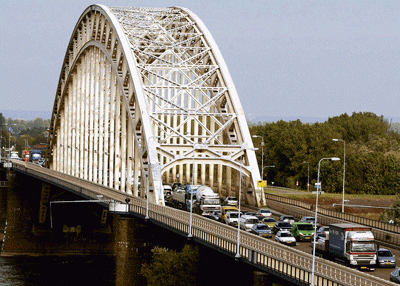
7,165
262,184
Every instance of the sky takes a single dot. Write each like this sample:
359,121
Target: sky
307,60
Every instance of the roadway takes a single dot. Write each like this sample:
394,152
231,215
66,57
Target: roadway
383,273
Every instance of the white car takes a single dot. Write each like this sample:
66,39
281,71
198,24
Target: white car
231,201
264,212
247,221
285,237
232,218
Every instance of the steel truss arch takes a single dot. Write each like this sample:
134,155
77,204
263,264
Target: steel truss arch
145,98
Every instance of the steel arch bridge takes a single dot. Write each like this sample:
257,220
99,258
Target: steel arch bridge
145,98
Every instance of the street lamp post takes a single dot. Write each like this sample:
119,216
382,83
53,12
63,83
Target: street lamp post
344,168
262,155
147,197
308,175
315,218
237,256
191,195
273,166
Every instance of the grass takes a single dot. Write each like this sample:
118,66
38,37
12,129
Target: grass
327,200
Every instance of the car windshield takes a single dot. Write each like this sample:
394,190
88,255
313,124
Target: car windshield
285,224
309,219
305,227
251,220
286,234
265,211
211,201
384,253
231,199
268,220
262,226
233,215
288,217
363,246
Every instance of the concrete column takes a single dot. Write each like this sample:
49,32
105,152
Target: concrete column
128,251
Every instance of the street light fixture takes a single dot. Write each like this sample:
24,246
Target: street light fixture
315,219
262,155
237,256
344,167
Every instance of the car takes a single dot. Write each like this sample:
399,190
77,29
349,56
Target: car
287,218
232,218
385,258
322,231
247,221
270,221
225,210
167,191
261,229
175,185
216,215
281,225
302,231
395,275
230,201
264,212
285,237
309,219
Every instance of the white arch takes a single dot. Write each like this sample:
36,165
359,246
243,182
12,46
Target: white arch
145,91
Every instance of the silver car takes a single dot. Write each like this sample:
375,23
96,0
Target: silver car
385,258
395,275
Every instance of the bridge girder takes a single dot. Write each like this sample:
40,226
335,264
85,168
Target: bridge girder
144,96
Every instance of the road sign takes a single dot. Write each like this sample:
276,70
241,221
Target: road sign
262,184
7,165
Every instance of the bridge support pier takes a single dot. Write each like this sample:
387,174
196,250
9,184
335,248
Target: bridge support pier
131,250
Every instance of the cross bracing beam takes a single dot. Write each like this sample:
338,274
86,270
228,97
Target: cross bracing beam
144,94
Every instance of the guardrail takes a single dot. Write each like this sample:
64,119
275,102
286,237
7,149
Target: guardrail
339,215
283,261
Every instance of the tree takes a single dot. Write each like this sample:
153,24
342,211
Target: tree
170,267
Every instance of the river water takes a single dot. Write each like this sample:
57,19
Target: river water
57,271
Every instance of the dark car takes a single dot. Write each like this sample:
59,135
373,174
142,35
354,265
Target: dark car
385,258
174,186
281,225
261,230
395,275
287,218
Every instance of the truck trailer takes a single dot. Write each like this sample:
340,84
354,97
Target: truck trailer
349,243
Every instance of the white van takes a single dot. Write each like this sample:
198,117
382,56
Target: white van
247,221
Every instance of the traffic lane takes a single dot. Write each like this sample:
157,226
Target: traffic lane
306,246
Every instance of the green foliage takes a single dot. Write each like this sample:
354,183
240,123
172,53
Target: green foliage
170,267
372,153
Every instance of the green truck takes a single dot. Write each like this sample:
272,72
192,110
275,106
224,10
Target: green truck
302,231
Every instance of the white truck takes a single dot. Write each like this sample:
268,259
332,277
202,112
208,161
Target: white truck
350,243
206,200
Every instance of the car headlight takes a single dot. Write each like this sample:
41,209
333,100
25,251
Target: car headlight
301,234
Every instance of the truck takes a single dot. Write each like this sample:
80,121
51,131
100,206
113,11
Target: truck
349,243
35,155
180,197
206,200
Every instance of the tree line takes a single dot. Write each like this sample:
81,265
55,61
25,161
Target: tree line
23,134
372,153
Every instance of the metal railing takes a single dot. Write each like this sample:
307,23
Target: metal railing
267,255
339,215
